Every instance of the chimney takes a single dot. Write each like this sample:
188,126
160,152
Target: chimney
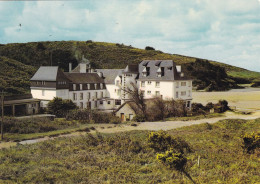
182,74
70,67
178,68
100,74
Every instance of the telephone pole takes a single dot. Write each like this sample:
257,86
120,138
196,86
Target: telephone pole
2,107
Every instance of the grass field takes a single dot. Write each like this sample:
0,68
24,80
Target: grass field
126,158
241,100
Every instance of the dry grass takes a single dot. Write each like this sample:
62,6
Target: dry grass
242,100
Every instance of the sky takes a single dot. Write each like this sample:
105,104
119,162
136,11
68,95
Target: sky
222,30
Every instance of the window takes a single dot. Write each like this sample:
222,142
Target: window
157,84
177,94
101,102
149,82
117,82
118,102
96,94
108,102
102,94
81,105
88,86
81,96
88,95
189,93
157,93
37,82
101,86
190,84
74,87
43,82
178,84
43,92
74,96
183,93
95,86
183,83
143,83
148,92
80,86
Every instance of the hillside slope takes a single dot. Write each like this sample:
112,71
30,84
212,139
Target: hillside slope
105,55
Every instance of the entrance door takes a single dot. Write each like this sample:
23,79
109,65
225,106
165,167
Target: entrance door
122,117
130,116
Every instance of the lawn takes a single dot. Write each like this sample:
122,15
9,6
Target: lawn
127,158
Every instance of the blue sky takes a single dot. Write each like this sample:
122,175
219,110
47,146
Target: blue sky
223,30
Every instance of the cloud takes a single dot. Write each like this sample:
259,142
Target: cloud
226,31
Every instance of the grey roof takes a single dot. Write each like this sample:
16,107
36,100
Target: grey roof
46,73
110,74
82,78
170,72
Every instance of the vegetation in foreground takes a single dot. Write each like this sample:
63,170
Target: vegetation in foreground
106,55
217,155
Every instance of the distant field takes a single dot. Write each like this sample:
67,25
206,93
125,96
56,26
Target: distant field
242,100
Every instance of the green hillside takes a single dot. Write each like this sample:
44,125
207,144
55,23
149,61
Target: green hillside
106,55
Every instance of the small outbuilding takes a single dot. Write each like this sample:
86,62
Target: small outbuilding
125,112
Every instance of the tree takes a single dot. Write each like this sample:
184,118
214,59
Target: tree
149,48
137,97
60,107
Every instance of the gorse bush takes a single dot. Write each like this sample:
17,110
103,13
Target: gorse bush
161,141
172,159
251,142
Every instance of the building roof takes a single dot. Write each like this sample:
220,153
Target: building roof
46,73
110,74
170,71
81,78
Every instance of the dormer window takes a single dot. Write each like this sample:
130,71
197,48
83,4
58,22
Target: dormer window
101,86
95,86
144,72
74,87
88,86
80,86
160,72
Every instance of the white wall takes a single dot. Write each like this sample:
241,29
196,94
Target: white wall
188,89
112,91
86,98
43,94
165,89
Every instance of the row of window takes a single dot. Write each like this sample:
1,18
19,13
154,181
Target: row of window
87,86
183,93
183,84
40,82
62,82
157,84
88,104
81,95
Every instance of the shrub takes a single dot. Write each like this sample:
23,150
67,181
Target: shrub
60,107
115,120
149,48
161,141
251,142
139,118
172,159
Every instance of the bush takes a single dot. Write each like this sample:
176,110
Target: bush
149,48
172,159
161,141
60,107
139,118
251,142
115,120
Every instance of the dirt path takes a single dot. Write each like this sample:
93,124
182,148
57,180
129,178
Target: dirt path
161,125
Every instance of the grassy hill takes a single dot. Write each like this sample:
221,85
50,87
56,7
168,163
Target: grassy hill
104,55
127,158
